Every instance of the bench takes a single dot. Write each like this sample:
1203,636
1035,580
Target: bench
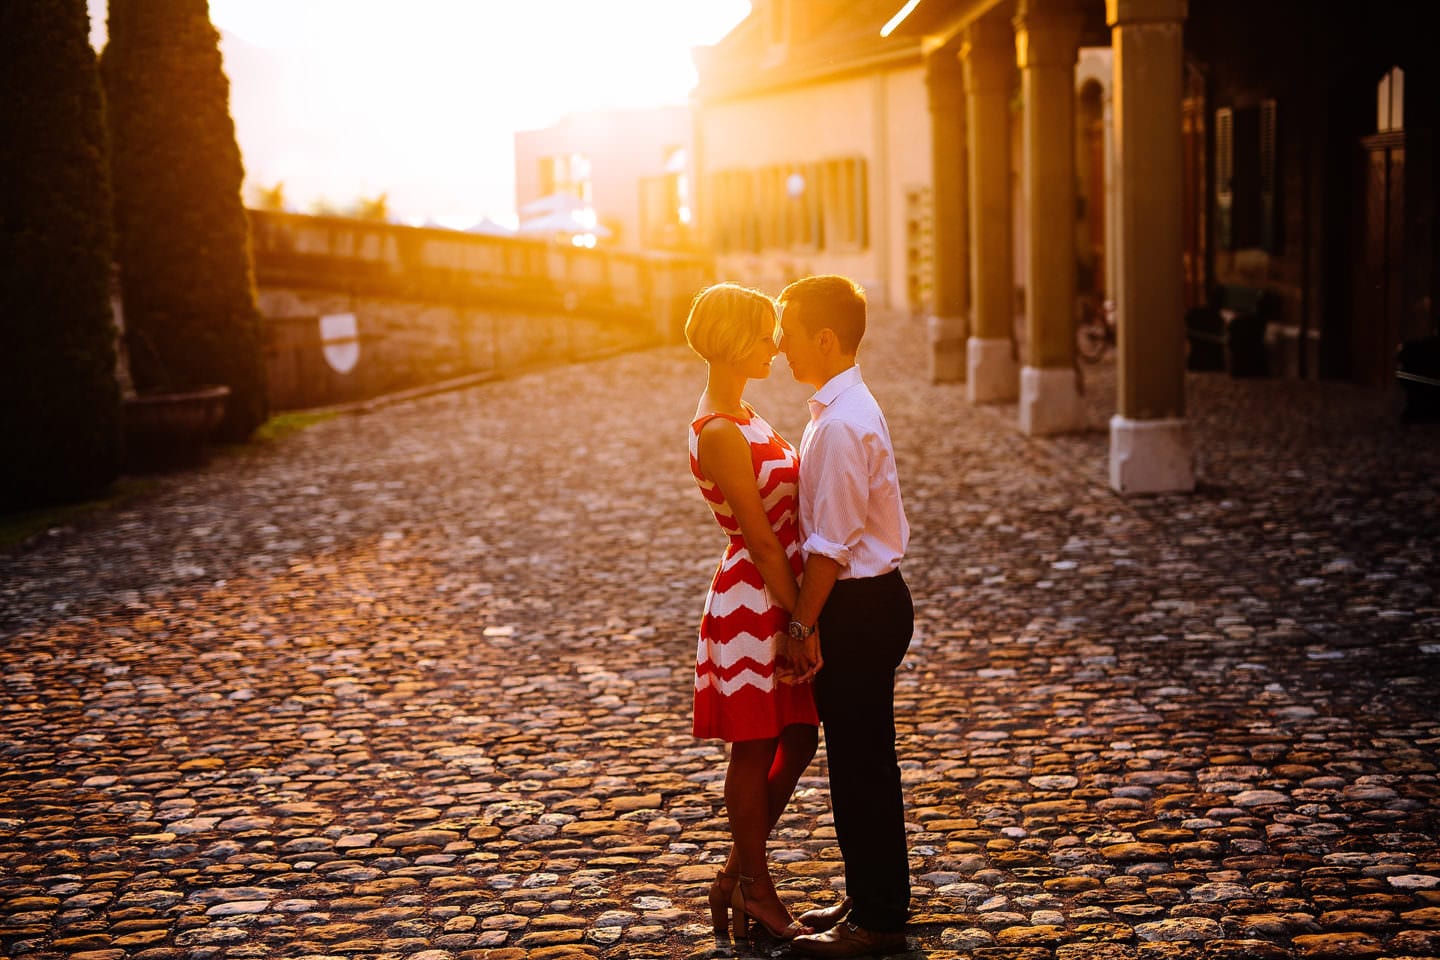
1417,371
1230,333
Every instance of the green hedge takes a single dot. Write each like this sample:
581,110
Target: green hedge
60,435
183,239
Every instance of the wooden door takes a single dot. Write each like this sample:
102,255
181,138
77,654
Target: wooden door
1380,270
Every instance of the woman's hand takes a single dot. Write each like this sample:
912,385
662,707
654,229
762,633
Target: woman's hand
797,661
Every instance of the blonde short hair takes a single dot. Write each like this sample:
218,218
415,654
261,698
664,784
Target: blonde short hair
727,320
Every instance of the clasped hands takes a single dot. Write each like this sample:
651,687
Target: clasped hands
797,661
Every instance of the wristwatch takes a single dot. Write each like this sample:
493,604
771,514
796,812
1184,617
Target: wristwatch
798,630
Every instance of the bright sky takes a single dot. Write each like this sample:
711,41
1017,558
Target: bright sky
344,99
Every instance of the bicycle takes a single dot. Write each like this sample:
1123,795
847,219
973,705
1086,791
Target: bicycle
1094,326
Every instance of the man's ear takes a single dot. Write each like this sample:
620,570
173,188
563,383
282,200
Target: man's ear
828,341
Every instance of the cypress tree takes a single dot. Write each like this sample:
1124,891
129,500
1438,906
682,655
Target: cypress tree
182,234
60,433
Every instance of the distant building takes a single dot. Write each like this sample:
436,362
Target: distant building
626,173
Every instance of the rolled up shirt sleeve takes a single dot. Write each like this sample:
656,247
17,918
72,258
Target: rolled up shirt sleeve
834,491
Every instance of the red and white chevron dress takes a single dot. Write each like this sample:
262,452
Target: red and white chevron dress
736,694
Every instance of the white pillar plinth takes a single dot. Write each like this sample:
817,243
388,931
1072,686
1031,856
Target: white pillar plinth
1050,401
947,349
994,374
1151,456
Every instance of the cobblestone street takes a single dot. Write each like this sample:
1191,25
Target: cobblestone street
416,683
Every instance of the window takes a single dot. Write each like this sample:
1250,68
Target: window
771,207
802,206
731,208
1390,102
809,206
1247,179
1269,223
845,205
676,167
566,173
1224,176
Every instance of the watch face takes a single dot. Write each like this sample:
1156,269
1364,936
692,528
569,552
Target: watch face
796,631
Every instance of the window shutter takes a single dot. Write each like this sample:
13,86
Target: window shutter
1239,212
862,206
816,195
765,209
750,185
1269,182
799,192
1224,176
711,212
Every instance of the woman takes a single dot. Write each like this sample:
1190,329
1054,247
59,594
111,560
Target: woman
744,692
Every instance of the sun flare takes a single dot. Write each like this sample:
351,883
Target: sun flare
345,100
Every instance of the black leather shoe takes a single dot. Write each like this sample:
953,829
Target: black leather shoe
848,940
823,918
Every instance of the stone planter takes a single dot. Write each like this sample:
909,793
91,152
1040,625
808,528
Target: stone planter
167,431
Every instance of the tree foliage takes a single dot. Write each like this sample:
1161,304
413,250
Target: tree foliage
60,414
271,198
183,238
376,208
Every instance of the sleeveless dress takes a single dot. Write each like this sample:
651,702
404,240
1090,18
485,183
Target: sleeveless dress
737,696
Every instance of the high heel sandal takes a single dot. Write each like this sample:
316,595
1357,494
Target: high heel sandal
740,904
722,893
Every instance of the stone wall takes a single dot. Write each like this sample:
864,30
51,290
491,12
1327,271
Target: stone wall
430,305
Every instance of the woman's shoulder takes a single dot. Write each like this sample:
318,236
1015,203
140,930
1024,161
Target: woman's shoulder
705,416
714,421
712,428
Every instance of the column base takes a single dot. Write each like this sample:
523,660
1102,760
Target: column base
1050,401
1151,456
947,349
994,374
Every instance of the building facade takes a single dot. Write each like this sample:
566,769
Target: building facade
626,172
816,145
1261,172
813,150
1319,171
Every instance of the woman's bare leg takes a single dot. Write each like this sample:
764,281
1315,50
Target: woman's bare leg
782,761
796,750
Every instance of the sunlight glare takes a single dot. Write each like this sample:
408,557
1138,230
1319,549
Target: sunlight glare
342,99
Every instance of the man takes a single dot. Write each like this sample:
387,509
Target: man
854,533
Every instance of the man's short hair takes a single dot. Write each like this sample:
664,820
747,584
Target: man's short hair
727,320
829,301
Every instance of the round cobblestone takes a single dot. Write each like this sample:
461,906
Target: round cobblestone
417,684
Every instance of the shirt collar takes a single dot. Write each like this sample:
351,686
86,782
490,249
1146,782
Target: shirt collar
833,387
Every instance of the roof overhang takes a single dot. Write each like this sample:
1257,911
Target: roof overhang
937,22
891,57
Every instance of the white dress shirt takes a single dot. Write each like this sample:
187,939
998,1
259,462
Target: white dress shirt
850,508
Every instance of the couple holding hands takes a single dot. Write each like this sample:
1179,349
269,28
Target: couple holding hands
807,617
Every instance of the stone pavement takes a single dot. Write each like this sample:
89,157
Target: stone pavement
416,684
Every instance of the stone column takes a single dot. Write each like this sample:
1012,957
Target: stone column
1047,45
1112,193
987,50
951,256
1150,445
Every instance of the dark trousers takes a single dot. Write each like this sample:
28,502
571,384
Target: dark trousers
864,631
